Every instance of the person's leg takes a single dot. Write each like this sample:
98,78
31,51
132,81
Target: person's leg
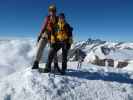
53,51
50,59
40,47
64,58
56,60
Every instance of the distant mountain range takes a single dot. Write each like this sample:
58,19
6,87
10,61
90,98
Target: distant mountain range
99,52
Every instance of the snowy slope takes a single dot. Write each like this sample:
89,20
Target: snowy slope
88,83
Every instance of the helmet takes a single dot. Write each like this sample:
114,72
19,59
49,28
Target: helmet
62,15
52,8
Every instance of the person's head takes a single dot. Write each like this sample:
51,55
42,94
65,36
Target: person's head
61,17
52,10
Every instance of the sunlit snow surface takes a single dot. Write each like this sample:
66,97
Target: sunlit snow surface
19,82
88,83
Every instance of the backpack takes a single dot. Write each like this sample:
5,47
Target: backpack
63,33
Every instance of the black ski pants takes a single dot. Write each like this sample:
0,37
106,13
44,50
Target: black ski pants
53,51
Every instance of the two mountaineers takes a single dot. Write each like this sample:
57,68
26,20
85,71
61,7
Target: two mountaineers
61,38
58,33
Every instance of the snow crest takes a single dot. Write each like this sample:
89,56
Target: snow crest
89,83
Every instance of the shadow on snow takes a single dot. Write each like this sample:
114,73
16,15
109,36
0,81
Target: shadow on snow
105,76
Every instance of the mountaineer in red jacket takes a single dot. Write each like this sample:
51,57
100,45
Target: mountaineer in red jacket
44,36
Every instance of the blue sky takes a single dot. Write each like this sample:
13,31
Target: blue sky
104,19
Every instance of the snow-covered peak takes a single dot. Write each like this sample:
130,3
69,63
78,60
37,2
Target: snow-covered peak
104,51
88,83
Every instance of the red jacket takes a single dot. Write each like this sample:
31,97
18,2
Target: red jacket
47,25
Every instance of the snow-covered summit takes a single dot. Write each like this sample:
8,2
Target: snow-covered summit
89,83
